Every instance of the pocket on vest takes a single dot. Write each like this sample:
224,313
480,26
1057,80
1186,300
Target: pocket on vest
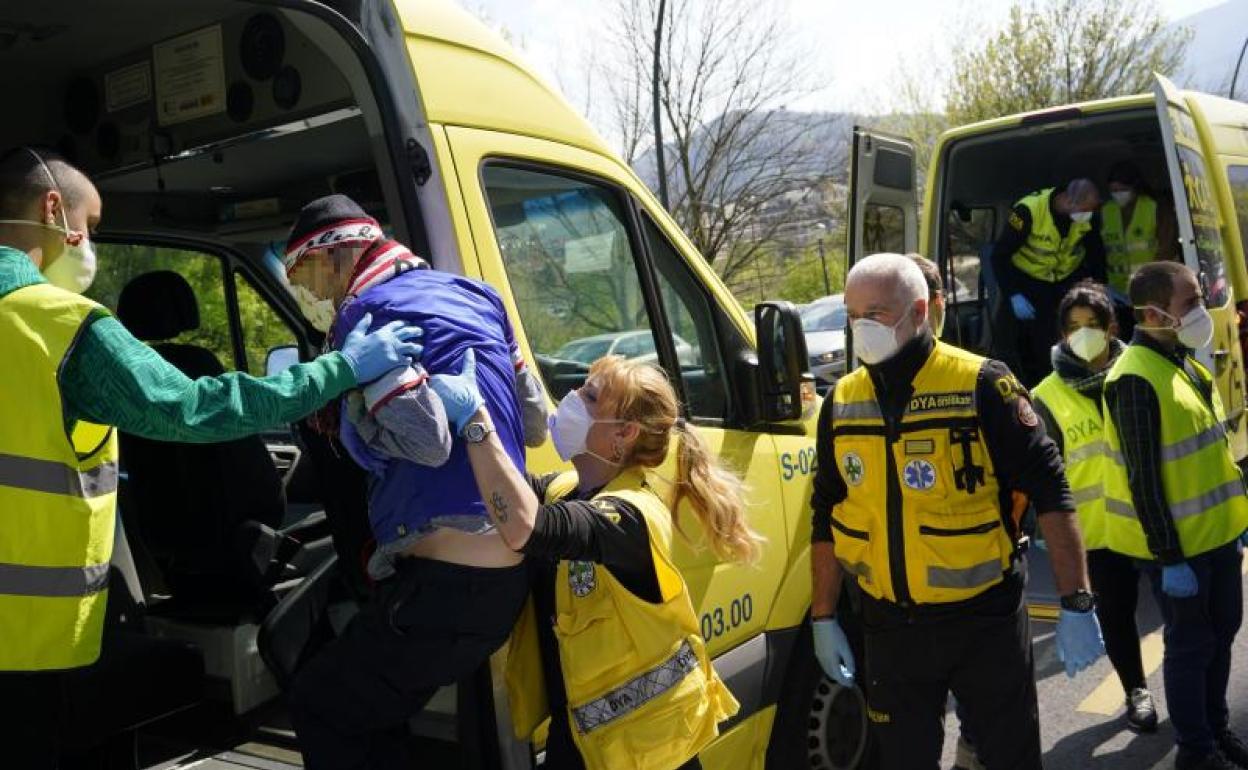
852,542
663,733
959,555
593,643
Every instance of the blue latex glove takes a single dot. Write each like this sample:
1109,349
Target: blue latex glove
372,354
461,398
1079,641
1023,309
833,652
1178,581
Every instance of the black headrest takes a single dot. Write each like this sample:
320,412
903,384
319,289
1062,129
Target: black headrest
158,306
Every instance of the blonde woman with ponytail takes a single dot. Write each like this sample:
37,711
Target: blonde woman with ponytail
609,647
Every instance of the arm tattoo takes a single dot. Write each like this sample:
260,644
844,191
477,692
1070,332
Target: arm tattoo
500,507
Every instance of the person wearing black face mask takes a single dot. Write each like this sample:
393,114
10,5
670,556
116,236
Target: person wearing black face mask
925,456
1069,403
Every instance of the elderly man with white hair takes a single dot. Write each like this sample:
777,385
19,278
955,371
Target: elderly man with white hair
928,457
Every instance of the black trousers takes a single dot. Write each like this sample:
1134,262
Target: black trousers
430,625
1116,582
33,706
1199,634
984,658
1037,337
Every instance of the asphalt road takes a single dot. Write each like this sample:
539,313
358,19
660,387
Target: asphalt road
1081,719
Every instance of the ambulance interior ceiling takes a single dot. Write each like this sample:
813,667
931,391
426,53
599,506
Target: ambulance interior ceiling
995,170
204,117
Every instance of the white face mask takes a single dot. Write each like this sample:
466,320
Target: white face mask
1088,342
74,269
1123,197
1195,328
319,312
875,342
1081,216
569,428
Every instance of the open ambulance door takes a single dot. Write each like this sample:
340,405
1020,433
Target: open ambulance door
883,200
1200,239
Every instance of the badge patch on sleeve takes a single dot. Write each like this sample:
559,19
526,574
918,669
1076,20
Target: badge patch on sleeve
607,510
1026,415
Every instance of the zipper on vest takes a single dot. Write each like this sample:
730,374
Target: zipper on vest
896,536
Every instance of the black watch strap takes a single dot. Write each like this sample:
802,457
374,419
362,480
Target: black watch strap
1082,600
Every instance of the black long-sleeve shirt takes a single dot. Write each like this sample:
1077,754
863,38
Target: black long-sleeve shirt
1023,456
1018,228
604,530
1136,412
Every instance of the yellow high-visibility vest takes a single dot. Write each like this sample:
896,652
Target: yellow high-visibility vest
641,690
926,484
58,491
1046,255
1202,484
1128,245
1084,451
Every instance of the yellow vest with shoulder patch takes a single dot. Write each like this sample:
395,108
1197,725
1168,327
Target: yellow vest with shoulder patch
922,521
642,693
1046,255
57,491
1128,244
1084,451
1203,486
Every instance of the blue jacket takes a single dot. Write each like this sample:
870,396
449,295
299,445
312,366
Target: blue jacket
456,314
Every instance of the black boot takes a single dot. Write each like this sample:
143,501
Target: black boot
1233,748
1141,711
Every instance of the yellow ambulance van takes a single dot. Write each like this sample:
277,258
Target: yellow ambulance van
206,124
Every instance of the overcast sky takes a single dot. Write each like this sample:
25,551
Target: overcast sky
857,44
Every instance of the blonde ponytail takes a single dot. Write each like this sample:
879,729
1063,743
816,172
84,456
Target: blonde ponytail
717,497
640,393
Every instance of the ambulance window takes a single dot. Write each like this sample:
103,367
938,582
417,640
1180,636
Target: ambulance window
883,229
693,328
571,266
120,263
1206,226
263,329
1238,176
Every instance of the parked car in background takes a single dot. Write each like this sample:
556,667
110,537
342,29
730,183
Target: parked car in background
824,321
637,344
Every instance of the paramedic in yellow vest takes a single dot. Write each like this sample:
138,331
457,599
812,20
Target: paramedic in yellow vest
1135,228
72,376
1069,403
1051,241
1175,499
609,609
921,452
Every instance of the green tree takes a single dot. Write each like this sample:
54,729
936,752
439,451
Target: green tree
1053,52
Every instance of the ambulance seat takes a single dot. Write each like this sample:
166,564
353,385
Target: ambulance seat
208,513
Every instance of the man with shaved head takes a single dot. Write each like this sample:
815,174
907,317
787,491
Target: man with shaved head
927,456
1052,240
71,374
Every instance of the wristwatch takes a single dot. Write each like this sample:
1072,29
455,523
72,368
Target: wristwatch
1082,600
475,432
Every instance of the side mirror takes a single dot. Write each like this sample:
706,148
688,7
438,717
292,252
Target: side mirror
280,359
782,360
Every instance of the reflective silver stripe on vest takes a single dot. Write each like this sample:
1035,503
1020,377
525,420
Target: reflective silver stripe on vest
25,580
636,692
57,478
1119,507
1088,450
1192,444
1200,504
862,569
1088,494
856,410
967,577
